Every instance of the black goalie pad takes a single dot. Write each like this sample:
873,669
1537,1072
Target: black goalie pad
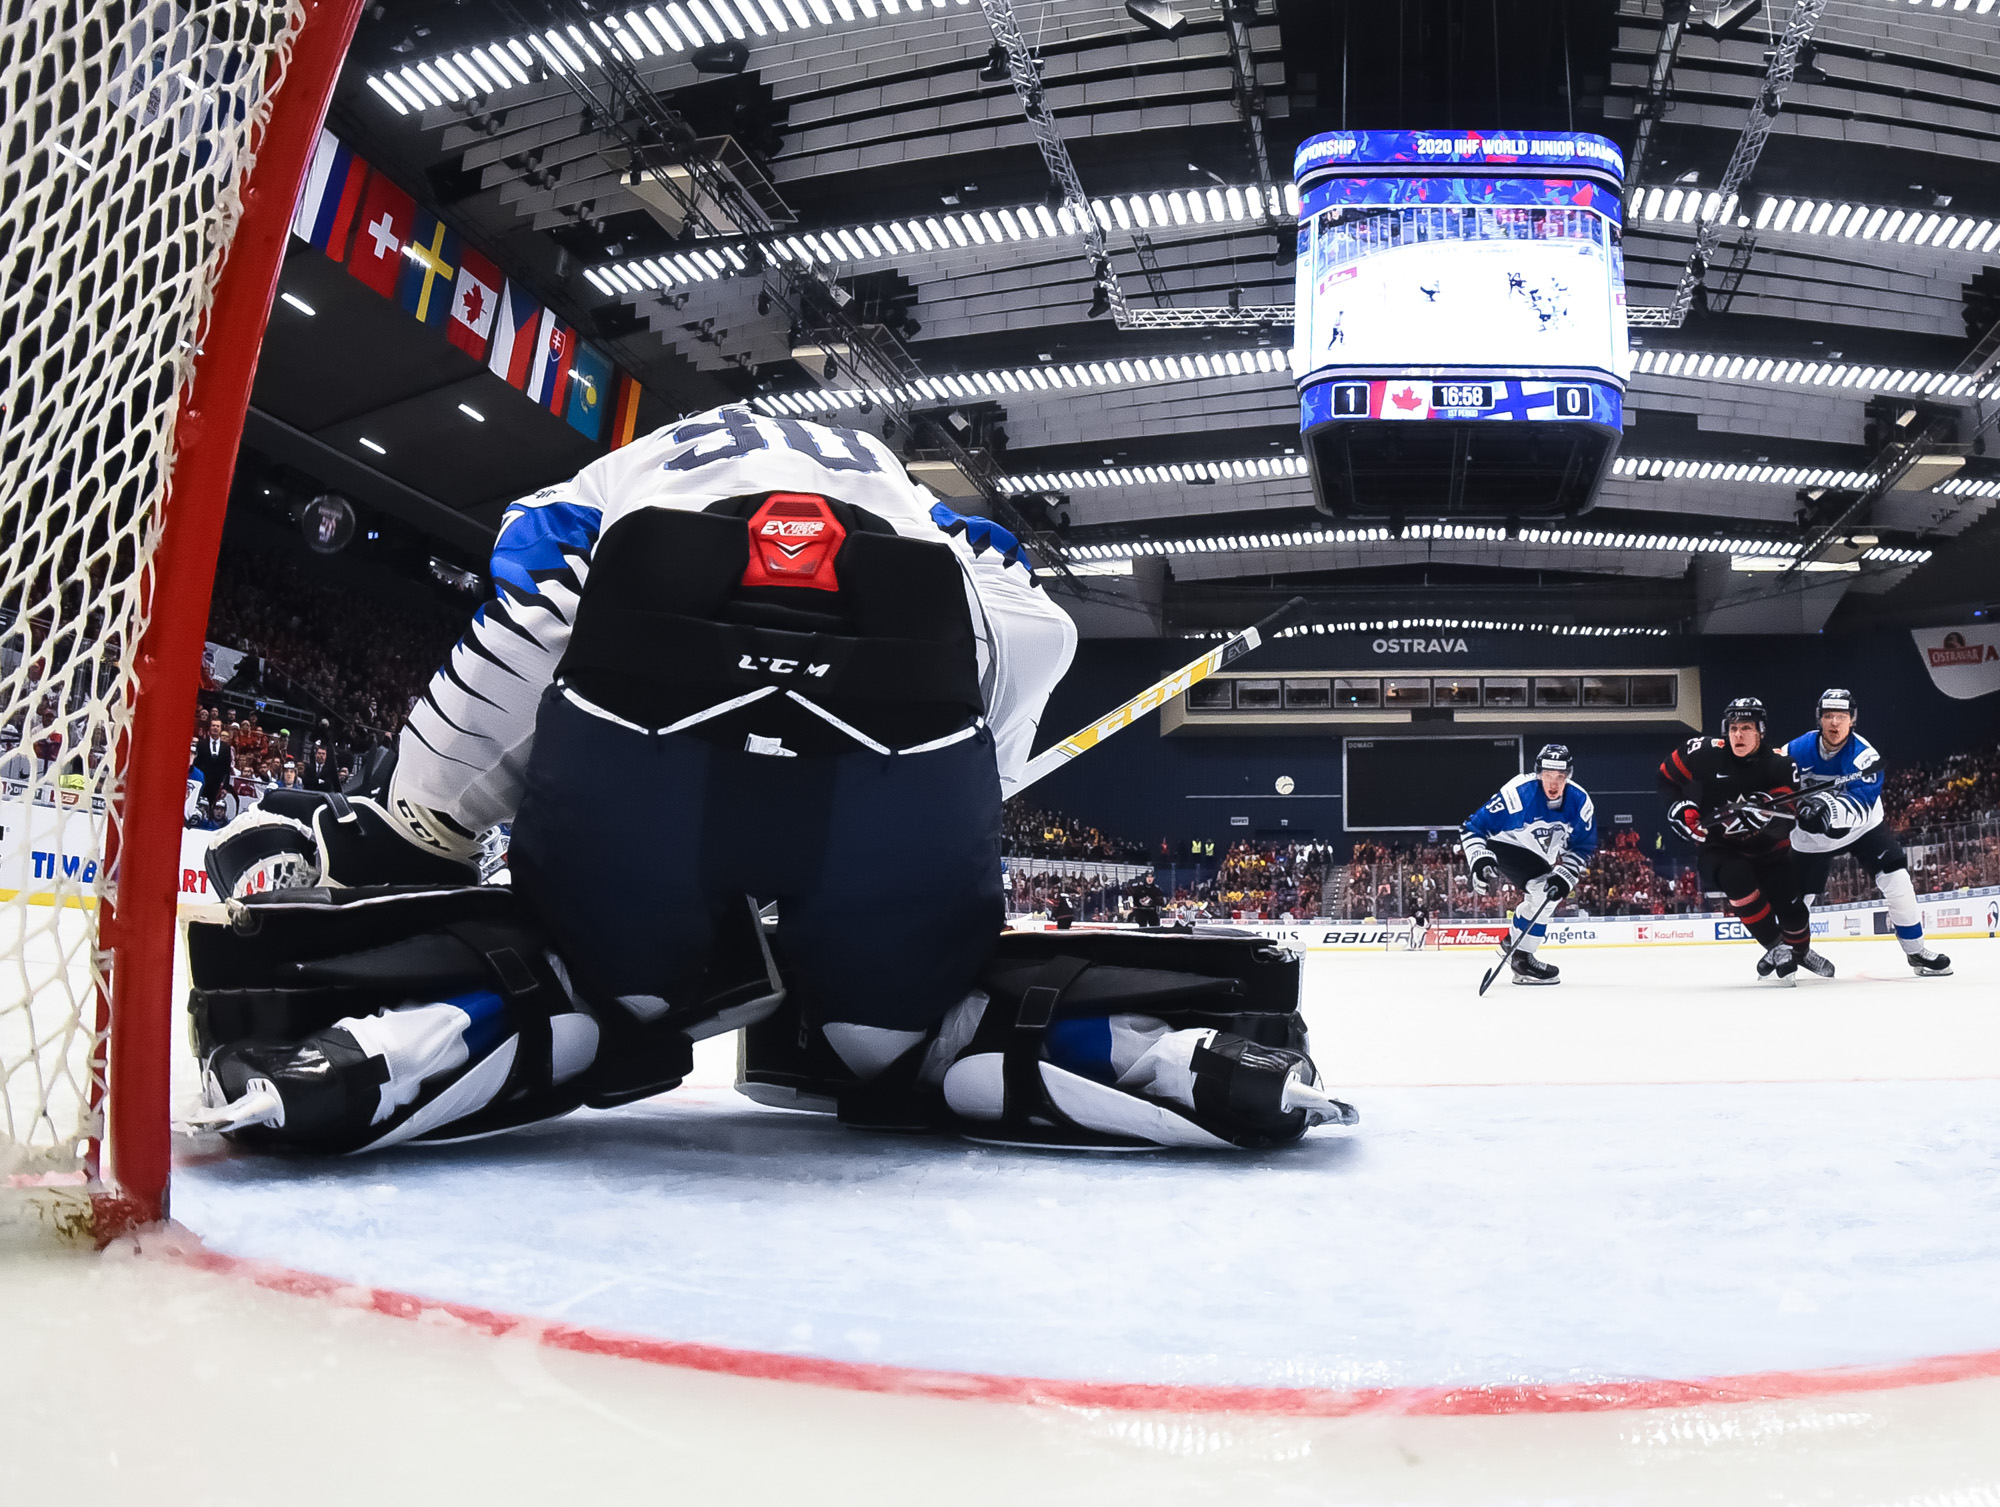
1244,985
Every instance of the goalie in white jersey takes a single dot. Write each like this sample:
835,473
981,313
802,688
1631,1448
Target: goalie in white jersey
741,657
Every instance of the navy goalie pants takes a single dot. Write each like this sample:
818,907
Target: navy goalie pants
885,867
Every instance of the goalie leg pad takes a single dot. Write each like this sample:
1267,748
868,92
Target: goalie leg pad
1210,1052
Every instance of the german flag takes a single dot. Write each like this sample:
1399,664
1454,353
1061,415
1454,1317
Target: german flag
625,417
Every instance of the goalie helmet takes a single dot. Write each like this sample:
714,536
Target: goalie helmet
1836,700
1744,709
1555,756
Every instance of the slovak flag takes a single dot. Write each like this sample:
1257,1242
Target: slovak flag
512,353
548,378
590,380
325,212
475,303
387,218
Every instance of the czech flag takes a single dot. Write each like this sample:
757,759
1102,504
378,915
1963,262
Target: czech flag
548,376
512,354
324,215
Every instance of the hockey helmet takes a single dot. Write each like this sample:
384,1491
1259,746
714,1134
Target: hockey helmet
1555,756
1744,709
1836,700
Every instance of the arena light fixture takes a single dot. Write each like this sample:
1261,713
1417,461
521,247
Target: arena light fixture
676,30
950,387
1484,625
1161,20
1828,219
1777,554
1780,371
299,303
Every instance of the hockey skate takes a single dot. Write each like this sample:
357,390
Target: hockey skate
1780,965
1532,970
1928,964
1814,962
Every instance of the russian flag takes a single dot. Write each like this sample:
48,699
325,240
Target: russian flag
324,215
548,378
511,356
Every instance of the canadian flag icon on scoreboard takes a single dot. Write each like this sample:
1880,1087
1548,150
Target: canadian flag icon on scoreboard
1404,399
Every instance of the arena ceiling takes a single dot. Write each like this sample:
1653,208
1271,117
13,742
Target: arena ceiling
1817,379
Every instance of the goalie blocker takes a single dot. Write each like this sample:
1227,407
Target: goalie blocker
340,1021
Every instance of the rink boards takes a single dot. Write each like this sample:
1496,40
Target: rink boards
1969,913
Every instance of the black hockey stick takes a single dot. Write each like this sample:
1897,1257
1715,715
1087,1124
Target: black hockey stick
1514,940
1156,695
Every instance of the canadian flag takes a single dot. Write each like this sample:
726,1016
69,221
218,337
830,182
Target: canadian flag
475,303
1401,399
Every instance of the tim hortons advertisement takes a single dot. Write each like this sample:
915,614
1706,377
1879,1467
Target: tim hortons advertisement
1964,662
50,846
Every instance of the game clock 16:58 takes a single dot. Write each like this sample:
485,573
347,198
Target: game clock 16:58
1462,395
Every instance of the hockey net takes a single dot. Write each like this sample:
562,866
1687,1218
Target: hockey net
149,150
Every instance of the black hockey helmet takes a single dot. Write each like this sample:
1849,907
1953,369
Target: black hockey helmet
1836,700
1555,756
1744,709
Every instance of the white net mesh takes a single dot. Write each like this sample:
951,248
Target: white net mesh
126,126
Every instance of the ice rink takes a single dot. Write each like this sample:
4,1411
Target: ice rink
1659,1234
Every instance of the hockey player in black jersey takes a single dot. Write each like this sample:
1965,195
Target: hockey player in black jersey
1732,795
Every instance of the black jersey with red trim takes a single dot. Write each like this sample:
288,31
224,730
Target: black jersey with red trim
1707,772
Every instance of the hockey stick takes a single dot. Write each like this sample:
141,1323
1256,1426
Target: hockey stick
1514,940
1774,806
1158,694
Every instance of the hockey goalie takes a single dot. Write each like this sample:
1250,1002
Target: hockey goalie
750,701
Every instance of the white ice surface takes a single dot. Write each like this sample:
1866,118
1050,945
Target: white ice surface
1570,1220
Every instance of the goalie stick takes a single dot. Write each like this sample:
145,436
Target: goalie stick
1156,695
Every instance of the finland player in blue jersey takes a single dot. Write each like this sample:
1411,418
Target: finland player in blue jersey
1849,820
1539,832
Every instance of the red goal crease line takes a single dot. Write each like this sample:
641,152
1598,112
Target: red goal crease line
1148,1397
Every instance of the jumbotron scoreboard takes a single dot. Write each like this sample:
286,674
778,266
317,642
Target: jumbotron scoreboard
1460,340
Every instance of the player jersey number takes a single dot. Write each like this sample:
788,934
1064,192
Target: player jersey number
735,433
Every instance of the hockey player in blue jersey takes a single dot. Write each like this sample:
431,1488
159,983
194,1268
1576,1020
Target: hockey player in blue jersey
1849,820
1538,833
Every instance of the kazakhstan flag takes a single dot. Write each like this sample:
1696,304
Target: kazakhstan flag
590,393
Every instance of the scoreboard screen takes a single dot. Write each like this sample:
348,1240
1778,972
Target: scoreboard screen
1415,784
1460,275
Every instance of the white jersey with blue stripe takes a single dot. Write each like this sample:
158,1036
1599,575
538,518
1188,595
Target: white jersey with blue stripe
464,752
1857,806
1564,833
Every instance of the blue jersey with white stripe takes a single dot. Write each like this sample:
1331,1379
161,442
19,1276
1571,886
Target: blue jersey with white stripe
1563,832
1857,806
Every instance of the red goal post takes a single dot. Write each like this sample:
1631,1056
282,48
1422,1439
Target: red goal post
104,610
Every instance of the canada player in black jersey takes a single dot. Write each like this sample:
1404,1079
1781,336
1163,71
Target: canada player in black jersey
1731,795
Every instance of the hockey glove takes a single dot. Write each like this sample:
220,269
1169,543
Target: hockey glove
1754,813
1685,818
299,840
1485,874
1557,884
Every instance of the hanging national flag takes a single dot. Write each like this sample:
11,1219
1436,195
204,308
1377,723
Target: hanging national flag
512,354
430,271
475,301
625,417
548,381
325,212
387,215
589,392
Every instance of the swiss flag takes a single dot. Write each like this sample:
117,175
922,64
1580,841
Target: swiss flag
475,303
387,217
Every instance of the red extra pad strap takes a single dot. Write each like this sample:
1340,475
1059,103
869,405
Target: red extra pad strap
793,539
